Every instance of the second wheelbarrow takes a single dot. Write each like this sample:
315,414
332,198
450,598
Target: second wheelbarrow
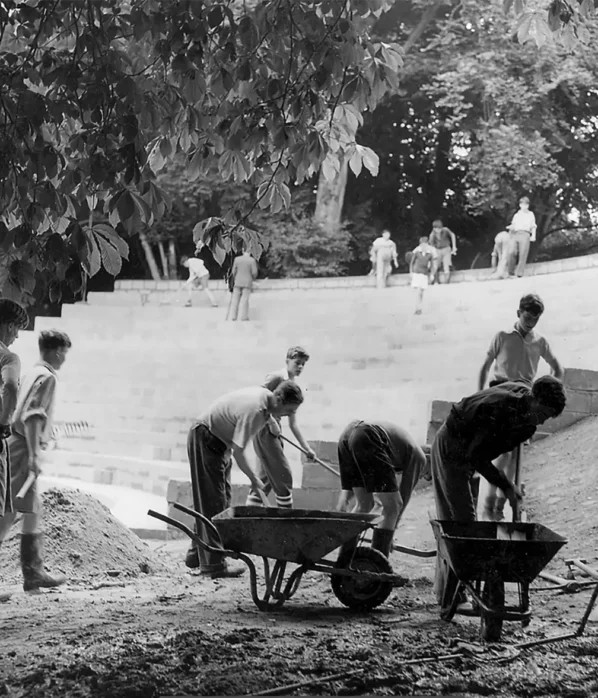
362,580
482,556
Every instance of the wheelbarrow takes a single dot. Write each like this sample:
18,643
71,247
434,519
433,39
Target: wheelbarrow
362,580
482,557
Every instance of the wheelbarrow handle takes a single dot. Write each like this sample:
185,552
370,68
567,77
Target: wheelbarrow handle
194,537
199,517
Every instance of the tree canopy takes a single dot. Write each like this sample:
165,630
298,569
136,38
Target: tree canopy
97,96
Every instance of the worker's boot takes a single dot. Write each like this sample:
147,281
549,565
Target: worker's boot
4,595
34,575
226,570
382,540
192,557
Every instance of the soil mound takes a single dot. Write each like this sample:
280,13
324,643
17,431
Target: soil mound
561,476
83,540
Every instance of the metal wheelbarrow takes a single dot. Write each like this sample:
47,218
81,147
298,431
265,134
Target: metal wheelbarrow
303,537
483,556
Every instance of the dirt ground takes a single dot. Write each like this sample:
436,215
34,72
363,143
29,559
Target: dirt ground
134,622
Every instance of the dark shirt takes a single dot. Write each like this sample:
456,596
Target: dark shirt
489,423
441,238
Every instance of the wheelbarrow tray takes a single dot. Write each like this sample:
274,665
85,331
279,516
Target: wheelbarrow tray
290,535
474,551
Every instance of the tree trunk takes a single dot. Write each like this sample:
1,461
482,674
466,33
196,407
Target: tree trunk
149,257
172,258
163,259
330,198
441,168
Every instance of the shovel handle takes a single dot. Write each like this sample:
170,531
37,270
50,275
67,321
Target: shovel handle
517,507
26,485
317,460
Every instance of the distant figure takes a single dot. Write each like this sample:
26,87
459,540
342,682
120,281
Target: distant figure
420,268
500,255
244,273
523,233
444,241
384,254
199,277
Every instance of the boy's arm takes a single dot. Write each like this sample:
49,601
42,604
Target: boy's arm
299,436
453,240
490,359
33,437
10,374
557,368
244,467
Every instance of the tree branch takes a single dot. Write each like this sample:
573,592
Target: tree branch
425,20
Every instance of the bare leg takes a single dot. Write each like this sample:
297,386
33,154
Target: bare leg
419,300
495,499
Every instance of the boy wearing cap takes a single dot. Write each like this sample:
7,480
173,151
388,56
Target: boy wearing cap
516,354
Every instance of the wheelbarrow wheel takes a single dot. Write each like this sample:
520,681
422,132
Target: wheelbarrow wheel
493,595
363,594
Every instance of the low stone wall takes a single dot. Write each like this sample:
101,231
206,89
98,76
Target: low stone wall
559,265
582,402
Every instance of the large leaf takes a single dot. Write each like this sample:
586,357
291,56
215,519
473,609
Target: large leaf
111,258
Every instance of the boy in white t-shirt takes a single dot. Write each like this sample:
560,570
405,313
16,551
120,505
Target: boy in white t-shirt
198,278
420,268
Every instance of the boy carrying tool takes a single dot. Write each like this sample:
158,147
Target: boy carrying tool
13,318
371,455
31,432
225,429
273,468
516,354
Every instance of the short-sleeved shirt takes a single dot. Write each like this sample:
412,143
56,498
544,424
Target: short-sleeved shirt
517,356
523,221
441,238
383,249
421,260
496,419
236,417
10,369
37,398
197,269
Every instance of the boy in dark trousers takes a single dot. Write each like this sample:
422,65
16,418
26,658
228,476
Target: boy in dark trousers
273,468
244,273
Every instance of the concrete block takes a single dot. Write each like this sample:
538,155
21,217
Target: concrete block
581,379
579,401
440,410
433,428
326,451
564,421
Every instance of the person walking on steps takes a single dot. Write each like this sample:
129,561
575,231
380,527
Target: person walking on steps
199,277
479,429
384,254
420,268
273,468
226,429
500,255
516,354
444,242
523,233
371,456
31,433
244,273
13,318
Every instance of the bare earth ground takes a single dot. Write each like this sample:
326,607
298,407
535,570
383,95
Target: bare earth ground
116,630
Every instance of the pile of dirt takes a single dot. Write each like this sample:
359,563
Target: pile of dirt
561,477
83,540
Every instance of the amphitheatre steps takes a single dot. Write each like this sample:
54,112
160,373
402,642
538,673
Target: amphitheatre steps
140,374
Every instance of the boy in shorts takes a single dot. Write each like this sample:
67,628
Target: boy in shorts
420,267
199,277
371,455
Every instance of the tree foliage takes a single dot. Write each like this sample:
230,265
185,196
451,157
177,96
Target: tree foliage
98,95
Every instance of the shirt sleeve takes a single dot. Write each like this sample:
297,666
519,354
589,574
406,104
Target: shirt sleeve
495,346
247,427
11,370
39,400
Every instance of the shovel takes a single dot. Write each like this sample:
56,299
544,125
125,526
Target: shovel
501,531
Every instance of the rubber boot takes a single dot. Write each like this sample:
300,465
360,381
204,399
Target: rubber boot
4,595
192,557
34,575
382,540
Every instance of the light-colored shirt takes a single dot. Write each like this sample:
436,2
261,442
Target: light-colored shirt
197,269
517,357
10,370
236,417
37,398
244,271
523,222
384,249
